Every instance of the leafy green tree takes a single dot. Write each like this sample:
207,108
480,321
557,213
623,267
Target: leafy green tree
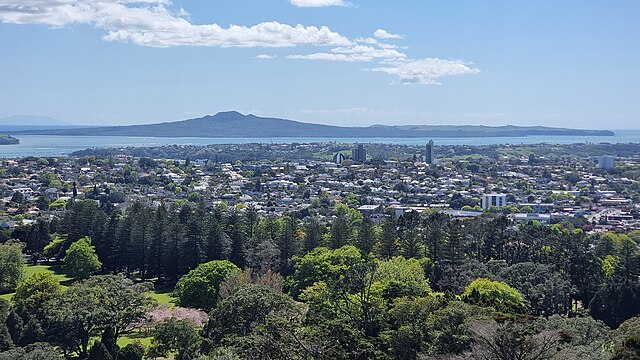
177,336
355,296
617,300
81,260
401,277
546,290
322,264
629,350
244,310
513,340
411,334
87,308
126,302
32,294
11,265
199,288
58,205
38,351
6,342
496,294
75,317
579,336
133,351
99,352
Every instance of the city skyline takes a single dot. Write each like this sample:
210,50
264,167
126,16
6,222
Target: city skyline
334,62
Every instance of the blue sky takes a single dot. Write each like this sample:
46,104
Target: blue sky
556,63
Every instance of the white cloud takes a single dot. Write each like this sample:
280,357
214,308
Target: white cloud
155,23
330,57
362,53
383,34
427,71
318,3
370,52
151,23
265,57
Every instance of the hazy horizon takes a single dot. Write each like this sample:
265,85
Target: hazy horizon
570,64
64,123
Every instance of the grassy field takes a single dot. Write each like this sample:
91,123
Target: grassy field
34,269
162,297
56,271
129,339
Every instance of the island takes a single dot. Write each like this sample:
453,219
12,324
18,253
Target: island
8,140
232,124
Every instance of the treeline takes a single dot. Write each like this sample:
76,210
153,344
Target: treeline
165,243
423,284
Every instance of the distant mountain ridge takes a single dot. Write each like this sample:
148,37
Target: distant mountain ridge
233,124
31,120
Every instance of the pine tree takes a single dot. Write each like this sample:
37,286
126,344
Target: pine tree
436,235
155,233
287,243
312,235
496,239
106,247
215,245
454,253
122,246
170,258
340,232
389,239
366,236
236,234
140,219
408,226
191,245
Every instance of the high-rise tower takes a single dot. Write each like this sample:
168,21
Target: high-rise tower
429,156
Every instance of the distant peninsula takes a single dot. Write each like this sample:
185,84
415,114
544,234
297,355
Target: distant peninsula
8,140
233,124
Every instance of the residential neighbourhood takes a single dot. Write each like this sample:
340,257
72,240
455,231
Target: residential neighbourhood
525,188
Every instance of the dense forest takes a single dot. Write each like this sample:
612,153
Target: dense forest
421,286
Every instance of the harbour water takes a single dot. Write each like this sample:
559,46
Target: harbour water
47,145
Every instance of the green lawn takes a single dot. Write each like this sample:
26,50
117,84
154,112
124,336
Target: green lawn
34,269
56,271
162,297
128,339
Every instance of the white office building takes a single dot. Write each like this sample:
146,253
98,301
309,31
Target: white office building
489,200
606,162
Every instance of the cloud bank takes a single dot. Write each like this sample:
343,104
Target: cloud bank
152,23
156,23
